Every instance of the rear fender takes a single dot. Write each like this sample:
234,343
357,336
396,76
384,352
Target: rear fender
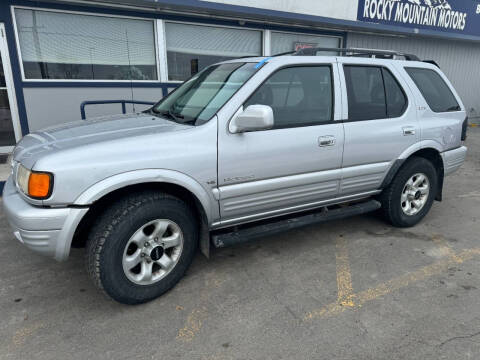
412,150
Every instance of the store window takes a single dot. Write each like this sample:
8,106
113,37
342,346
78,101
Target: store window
284,42
191,48
57,45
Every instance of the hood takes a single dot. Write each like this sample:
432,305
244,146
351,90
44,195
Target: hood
81,133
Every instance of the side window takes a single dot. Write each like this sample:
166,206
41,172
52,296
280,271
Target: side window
436,92
373,93
365,91
396,99
299,96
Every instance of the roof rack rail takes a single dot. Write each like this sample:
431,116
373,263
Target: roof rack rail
373,53
433,62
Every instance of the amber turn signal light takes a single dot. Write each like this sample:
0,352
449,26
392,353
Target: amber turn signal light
39,185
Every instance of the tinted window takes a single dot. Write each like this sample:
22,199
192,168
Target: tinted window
299,96
396,100
436,92
365,91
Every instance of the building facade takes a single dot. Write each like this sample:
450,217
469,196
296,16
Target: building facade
57,54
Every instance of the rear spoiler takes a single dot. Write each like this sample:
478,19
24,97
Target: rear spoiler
433,62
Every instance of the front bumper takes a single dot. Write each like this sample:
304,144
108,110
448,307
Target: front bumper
48,231
453,159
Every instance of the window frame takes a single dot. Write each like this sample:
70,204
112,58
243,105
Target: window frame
446,84
381,67
19,51
332,116
164,45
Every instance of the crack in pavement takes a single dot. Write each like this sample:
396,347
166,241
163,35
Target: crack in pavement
458,338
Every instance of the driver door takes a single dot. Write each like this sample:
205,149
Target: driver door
293,166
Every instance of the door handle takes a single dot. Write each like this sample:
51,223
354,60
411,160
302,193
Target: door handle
408,130
328,140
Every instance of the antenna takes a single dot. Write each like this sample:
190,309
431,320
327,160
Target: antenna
129,68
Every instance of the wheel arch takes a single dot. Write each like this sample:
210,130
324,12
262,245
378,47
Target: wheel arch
100,195
432,154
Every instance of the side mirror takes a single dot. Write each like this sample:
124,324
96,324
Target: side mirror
254,117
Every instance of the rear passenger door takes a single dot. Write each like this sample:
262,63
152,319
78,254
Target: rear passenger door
379,123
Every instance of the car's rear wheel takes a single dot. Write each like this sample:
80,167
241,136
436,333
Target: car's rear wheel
141,246
411,193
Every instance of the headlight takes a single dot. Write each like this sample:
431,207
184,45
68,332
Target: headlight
36,184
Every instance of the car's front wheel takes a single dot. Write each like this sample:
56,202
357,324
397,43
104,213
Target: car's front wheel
411,193
141,246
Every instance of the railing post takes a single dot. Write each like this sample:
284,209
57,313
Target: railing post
82,110
124,110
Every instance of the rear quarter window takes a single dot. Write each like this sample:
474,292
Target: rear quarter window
436,92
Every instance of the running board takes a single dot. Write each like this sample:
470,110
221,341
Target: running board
275,226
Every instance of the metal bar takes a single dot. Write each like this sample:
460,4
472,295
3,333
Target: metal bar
101,102
355,52
261,229
82,110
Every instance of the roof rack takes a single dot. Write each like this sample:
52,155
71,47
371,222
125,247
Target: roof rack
373,53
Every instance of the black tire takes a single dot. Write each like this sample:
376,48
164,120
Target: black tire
111,232
390,197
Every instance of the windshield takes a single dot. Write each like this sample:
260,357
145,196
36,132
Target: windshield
200,97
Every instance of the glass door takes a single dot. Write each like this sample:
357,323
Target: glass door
9,126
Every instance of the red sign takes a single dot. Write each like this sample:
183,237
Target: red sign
302,45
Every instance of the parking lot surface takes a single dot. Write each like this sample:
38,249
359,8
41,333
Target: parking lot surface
350,289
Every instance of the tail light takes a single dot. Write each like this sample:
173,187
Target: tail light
464,129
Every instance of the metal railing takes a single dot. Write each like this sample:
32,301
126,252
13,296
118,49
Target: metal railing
100,102
383,54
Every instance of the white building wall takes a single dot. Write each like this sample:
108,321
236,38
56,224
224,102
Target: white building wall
459,60
53,106
338,9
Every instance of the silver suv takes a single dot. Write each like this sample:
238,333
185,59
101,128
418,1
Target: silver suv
244,148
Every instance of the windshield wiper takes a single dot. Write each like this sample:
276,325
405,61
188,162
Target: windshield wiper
178,118
171,115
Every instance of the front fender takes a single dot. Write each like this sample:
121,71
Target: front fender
122,180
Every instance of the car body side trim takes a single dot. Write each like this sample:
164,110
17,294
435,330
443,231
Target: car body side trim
290,210
260,186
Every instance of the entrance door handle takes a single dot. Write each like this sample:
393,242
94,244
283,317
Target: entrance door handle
327,140
408,130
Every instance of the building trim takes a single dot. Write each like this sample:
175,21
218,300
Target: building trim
251,14
9,88
16,75
102,84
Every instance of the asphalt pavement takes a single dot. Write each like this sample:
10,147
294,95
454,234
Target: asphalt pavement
351,289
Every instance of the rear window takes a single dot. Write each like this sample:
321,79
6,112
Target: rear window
436,92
